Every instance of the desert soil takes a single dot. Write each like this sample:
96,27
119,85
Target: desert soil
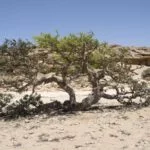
93,130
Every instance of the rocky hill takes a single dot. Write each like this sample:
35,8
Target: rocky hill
137,55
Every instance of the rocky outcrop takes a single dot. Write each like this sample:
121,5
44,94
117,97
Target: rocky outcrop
137,55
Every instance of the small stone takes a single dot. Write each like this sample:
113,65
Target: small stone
25,137
44,116
27,121
31,132
17,144
36,116
78,146
44,137
113,135
55,140
17,125
69,137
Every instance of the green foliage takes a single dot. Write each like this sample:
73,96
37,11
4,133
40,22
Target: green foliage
16,47
104,56
69,54
3,61
45,40
14,54
16,64
5,99
24,106
112,62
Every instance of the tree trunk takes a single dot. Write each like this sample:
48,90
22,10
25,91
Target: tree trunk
61,83
97,89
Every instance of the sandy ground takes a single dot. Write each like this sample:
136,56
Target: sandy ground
93,130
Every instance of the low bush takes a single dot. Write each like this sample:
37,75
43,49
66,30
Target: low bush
4,100
24,106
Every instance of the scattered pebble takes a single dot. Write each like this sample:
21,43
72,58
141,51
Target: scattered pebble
27,121
16,144
78,146
25,137
43,137
69,137
55,140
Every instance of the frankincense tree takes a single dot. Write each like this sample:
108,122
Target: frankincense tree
64,59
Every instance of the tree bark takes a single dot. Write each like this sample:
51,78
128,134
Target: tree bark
97,89
62,84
